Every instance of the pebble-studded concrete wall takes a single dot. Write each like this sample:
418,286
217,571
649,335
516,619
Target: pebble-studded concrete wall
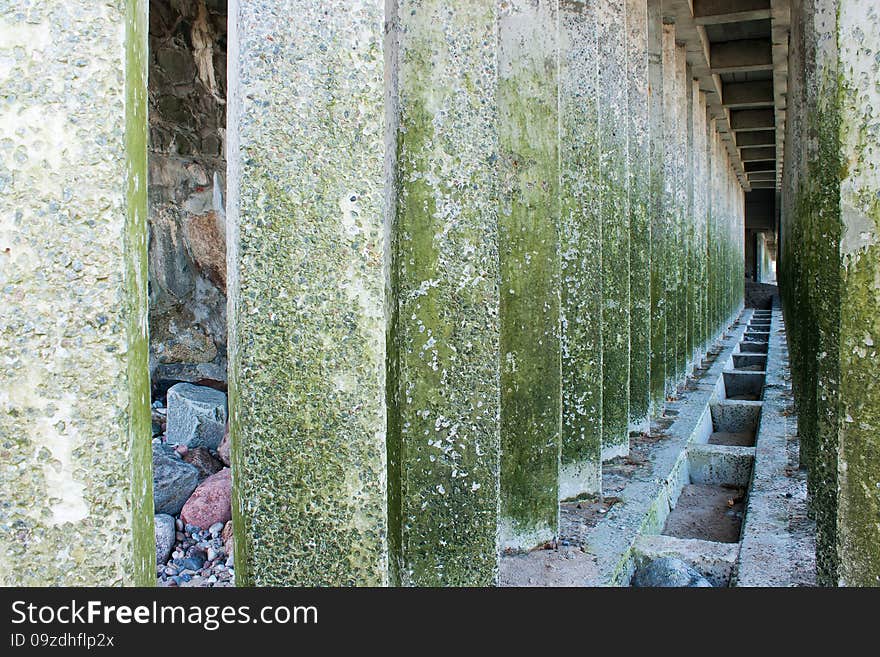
829,273
518,152
531,370
307,292
445,223
580,238
74,388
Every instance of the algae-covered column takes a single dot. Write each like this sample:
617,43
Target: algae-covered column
700,195
74,389
639,172
307,291
614,203
670,207
681,218
822,253
444,392
580,247
859,416
528,169
657,217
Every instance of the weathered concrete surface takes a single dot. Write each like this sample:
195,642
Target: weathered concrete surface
602,554
531,370
859,420
614,203
715,561
656,211
307,292
811,271
778,541
444,373
74,389
639,177
580,247
720,465
671,173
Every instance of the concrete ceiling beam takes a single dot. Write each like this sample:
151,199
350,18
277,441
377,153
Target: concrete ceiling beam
747,95
780,27
752,120
760,167
741,56
758,154
698,49
756,139
762,176
713,12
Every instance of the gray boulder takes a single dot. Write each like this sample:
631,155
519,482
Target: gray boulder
173,480
196,416
165,535
669,572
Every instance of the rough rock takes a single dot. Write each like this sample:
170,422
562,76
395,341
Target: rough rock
210,502
223,450
196,416
173,480
227,537
206,238
165,537
206,463
669,572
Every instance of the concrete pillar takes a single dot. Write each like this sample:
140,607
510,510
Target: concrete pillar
307,292
858,36
531,369
671,172
690,228
681,218
711,229
656,208
614,199
581,252
639,172
74,388
444,340
825,290
700,187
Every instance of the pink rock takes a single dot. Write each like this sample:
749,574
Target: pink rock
223,447
210,502
181,449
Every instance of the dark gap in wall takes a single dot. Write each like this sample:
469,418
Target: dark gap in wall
187,283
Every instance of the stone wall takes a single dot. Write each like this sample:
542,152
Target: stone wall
187,171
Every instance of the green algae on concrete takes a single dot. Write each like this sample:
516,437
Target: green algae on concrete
444,372
614,204
74,392
528,233
307,292
670,206
656,211
680,217
580,246
822,258
639,172
811,267
700,189
858,37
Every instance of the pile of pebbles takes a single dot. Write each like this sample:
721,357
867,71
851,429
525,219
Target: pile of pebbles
199,557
